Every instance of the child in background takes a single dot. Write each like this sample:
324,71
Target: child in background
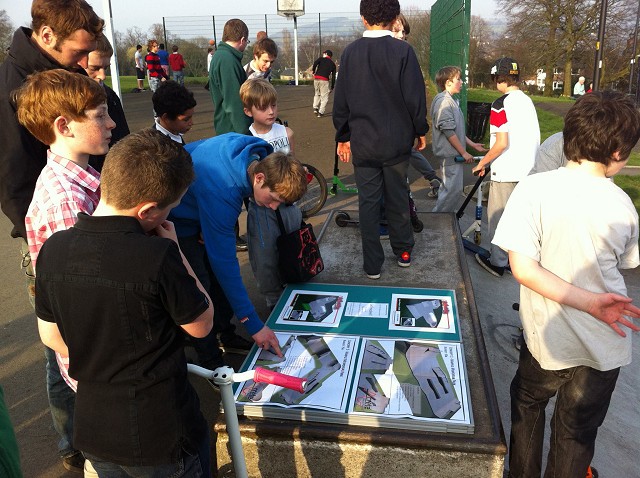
449,139
401,30
515,137
99,61
155,70
259,99
115,293
174,106
265,52
176,61
568,232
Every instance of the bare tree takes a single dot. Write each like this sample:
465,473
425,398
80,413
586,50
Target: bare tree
6,34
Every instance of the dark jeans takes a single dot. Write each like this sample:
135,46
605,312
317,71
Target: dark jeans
196,464
207,348
583,396
374,183
61,398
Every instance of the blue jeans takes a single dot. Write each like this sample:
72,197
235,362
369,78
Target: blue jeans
178,77
61,398
191,464
583,397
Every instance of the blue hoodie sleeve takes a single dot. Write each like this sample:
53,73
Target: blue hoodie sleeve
221,183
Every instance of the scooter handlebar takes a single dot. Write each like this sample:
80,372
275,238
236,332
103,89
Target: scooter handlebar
280,379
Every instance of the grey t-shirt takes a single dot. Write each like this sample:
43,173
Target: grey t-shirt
550,155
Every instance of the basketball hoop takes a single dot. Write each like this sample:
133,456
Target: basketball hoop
290,8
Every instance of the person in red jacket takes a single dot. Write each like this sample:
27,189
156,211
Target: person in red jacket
177,64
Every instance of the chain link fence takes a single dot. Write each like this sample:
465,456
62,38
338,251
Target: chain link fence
316,32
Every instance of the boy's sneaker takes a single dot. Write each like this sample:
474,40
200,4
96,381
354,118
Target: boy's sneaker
489,267
74,462
315,111
384,232
236,345
319,115
374,276
435,186
404,259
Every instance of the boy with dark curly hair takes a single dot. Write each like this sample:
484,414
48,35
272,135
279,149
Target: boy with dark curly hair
379,111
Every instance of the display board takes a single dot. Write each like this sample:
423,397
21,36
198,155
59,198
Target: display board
376,356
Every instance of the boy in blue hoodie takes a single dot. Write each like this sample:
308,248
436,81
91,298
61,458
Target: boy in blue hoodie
230,168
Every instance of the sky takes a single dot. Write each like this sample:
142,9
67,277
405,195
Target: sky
143,13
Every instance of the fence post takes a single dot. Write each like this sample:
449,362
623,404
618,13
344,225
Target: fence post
320,31
266,25
215,40
164,32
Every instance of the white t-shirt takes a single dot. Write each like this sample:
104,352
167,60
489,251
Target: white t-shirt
515,114
277,137
139,59
583,229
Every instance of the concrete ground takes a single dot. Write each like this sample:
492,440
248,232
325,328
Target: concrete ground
22,371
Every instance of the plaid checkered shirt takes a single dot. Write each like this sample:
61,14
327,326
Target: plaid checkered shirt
62,191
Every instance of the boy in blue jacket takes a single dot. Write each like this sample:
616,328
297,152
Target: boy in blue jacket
230,168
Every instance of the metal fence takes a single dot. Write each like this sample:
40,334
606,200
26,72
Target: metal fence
316,33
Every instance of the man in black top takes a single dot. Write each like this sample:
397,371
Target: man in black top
379,111
62,34
323,69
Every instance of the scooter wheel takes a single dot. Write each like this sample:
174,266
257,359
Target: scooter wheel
417,225
342,218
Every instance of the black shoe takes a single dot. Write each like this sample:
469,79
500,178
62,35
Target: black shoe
319,115
241,244
489,267
315,111
74,462
236,345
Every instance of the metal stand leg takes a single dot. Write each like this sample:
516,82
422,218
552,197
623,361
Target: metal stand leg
224,379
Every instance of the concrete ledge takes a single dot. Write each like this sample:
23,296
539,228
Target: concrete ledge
295,448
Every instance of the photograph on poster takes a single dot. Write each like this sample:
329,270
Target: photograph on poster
421,312
314,308
411,379
325,361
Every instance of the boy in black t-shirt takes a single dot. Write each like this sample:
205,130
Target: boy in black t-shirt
114,293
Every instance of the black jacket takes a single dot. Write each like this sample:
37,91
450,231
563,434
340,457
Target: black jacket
326,68
22,157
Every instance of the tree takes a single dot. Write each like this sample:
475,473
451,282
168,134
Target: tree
6,34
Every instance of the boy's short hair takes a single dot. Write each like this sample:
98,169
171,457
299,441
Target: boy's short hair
174,48
379,12
173,99
266,45
138,46
598,125
446,73
48,94
103,47
161,46
65,17
146,166
506,70
257,93
234,30
284,175
150,43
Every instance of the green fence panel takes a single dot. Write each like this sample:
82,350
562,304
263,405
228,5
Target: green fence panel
449,38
